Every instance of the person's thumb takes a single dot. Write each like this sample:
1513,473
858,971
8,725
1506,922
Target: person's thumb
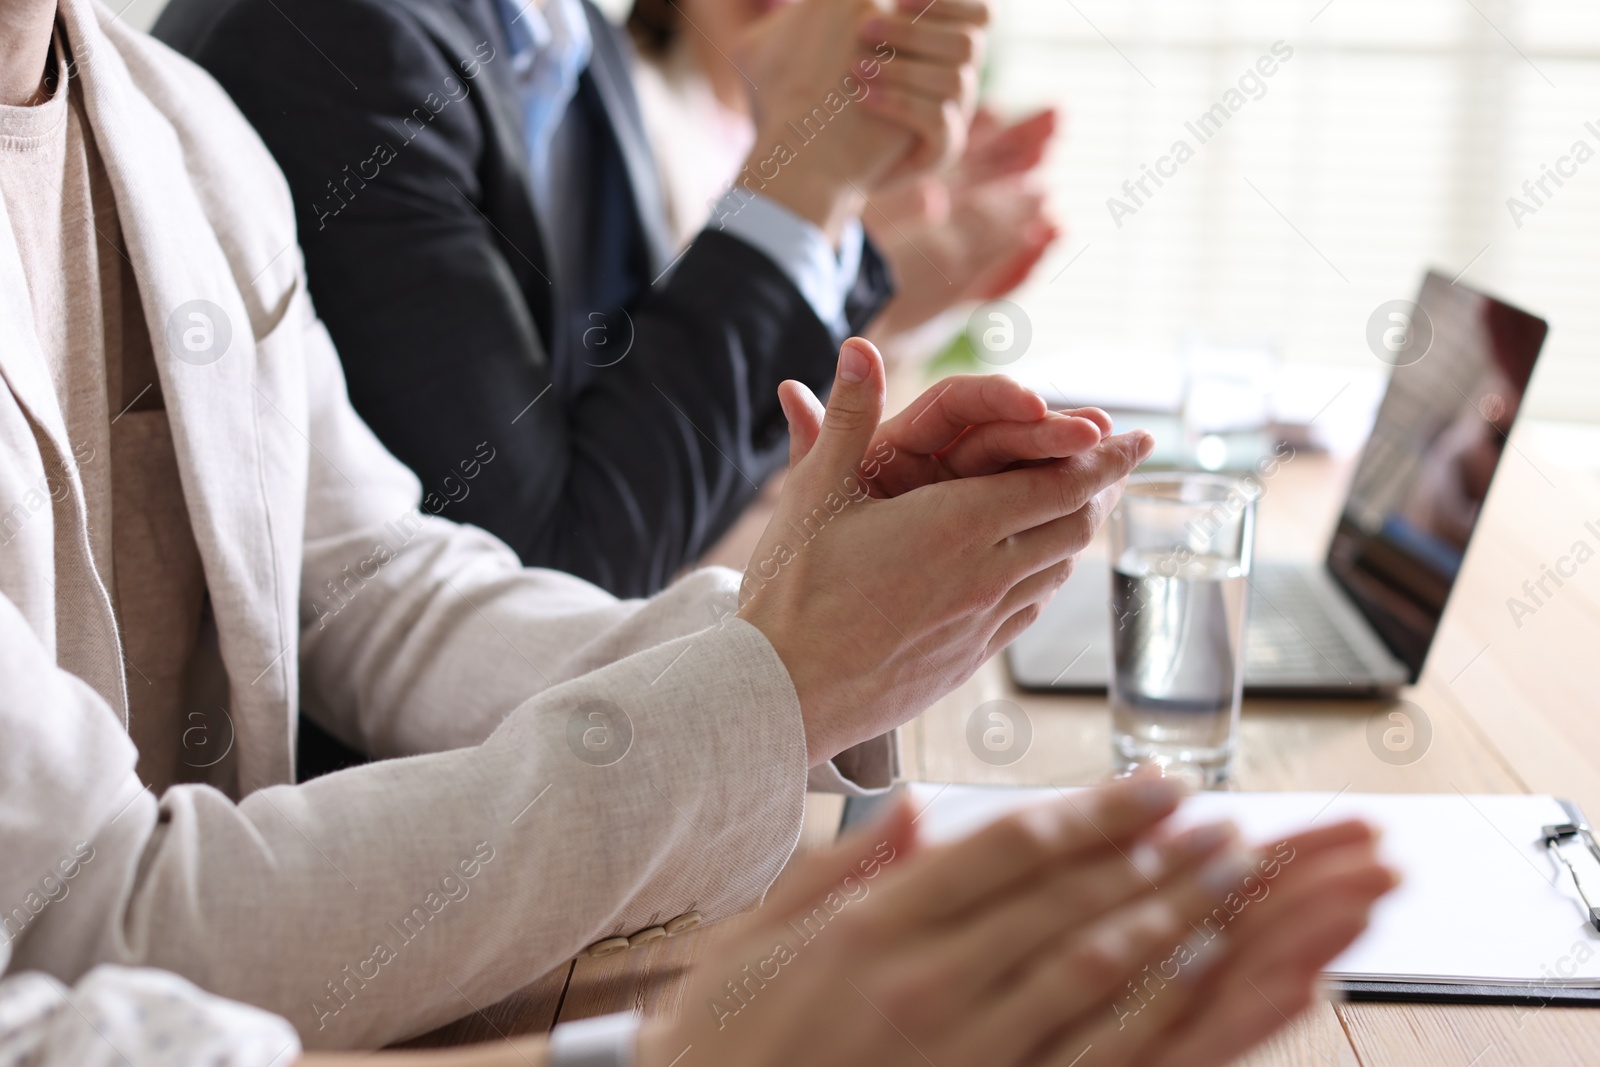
804,412
854,410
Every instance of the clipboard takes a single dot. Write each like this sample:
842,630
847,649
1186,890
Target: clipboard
1559,897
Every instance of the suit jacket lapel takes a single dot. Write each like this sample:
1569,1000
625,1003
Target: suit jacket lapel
21,360
209,377
22,365
611,75
459,33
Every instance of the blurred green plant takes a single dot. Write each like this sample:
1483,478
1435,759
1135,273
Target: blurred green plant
957,357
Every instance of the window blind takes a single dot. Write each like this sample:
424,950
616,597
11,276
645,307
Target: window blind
1388,142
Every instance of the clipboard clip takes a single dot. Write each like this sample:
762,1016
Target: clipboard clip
1557,834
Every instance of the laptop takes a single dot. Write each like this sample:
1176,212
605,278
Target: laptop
1360,622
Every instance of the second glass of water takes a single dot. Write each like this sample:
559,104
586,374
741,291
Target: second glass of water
1180,548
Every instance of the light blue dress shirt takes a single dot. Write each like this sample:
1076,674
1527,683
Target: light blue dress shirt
550,47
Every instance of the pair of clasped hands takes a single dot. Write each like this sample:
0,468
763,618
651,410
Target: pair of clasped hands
1017,945
1085,932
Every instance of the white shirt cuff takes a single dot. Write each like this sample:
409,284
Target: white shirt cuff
604,1041
799,248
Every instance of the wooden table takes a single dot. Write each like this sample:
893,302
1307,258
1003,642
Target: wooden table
1512,708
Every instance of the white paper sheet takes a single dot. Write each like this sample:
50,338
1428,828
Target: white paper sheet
1481,902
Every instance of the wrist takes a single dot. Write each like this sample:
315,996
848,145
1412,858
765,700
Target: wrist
802,186
808,689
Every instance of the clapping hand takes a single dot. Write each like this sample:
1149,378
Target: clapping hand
973,231
848,98
965,426
1069,934
881,589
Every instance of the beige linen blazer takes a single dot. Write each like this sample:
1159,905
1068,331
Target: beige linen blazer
518,827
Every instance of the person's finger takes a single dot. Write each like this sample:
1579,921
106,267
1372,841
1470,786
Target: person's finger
1005,277
804,413
932,38
972,12
921,77
1349,871
996,446
935,123
1014,626
851,418
1276,920
943,413
1035,551
1254,1001
878,844
1201,974
1249,995
1040,586
1329,836
1018,500
1076,975
1017,929
1024,602
1009,150
985,124
954,877
1094,415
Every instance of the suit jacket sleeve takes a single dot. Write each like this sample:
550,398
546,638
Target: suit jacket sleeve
622,480
646,759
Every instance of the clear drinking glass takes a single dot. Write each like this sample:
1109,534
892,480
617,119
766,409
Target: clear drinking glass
1180,549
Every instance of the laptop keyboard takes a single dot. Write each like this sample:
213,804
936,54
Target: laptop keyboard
1290,633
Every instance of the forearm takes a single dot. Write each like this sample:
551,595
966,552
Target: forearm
339,903
64,768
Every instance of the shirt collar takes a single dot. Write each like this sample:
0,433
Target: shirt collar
550,44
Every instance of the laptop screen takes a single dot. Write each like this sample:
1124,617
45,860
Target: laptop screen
1426,469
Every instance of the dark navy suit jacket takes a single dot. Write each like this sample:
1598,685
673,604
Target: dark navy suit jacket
399,127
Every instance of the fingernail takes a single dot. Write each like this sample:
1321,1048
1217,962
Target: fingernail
1222,875
1147,860
853,366
875,27
1396,878
1203,839
1147,445
1157,793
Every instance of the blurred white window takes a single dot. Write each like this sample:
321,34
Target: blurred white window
1389,142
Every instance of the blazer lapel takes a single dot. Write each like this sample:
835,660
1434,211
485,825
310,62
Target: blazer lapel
502,105
21,360
202,335
459,27
22,365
